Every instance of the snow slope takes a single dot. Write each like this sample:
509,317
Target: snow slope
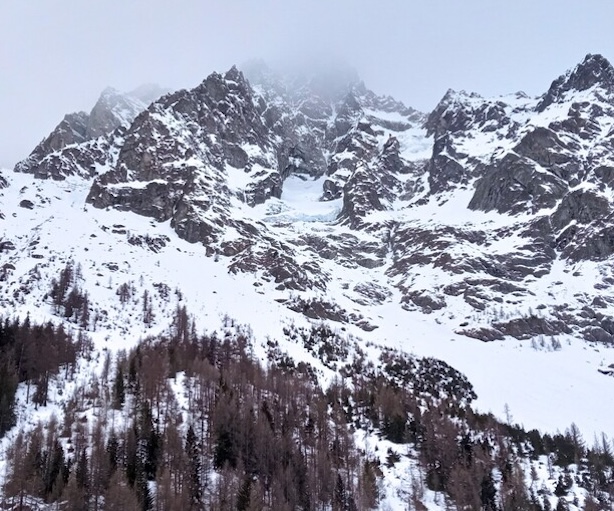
543,387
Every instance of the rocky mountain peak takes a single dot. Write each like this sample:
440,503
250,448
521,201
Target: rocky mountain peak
71,130
234,75
453,112
63,153
191,157
594,70
217,87
112,110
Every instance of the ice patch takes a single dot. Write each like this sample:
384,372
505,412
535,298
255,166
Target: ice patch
300,202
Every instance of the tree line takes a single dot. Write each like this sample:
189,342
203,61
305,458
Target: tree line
187,421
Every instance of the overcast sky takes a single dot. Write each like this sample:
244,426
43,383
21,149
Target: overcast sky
56,56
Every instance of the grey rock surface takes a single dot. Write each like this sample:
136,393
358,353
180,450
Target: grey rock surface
479,206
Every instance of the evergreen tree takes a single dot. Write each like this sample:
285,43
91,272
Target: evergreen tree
119,391
82,471
53,475
192,450
8,389
113,455
488,493
340,497
149,443
244,496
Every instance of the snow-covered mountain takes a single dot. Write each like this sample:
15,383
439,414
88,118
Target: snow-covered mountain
480,234
79,143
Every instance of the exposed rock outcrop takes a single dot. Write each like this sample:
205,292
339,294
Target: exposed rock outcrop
83,144
472,211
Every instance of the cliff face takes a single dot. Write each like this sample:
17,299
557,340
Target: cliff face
84,144
486,196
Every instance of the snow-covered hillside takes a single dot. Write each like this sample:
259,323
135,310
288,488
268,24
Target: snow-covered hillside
115,248
479,234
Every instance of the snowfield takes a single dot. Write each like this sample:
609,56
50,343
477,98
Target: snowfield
543,387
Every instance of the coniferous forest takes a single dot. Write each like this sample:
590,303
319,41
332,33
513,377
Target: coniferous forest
32,354
190,421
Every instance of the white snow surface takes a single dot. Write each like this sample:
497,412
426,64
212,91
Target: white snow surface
543,389
299,202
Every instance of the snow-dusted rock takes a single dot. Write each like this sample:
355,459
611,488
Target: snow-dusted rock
490,218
